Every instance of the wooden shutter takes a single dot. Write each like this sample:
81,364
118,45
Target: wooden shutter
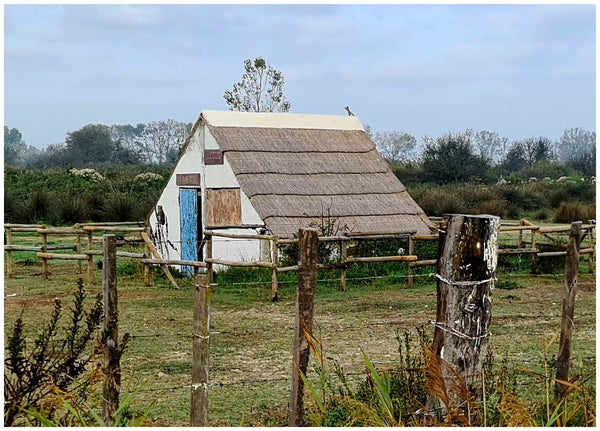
223,207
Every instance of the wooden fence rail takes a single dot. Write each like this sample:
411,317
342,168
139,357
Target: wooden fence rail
528,238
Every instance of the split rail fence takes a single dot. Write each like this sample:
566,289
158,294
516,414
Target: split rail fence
524,239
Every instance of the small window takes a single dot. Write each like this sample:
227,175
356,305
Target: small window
223,207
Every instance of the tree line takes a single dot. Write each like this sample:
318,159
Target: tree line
154,143
486,157
466,156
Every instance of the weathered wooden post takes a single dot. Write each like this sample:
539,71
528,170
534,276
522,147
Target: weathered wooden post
200,346
308,242
209,255
520,234
343,256
466,268
9,261
90,259
569,295
78,249
112,366
44,249
274,277
533,255
148,255
411,252
592,245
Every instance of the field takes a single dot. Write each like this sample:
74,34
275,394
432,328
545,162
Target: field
251,337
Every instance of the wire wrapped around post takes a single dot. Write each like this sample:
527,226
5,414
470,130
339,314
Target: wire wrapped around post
466,269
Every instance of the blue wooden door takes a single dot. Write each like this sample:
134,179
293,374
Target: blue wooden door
188,211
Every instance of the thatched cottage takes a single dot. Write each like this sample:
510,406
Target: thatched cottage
274,172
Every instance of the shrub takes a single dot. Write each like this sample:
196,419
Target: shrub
524,196
33,374
87,173
437,201
569,212
129,267
70,209
14,208
495,207
94,203
37,206
119,206
542,214
513,212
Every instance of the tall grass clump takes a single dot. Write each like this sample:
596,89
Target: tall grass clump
38,206
70,209
569,212
436,201
416,393
119,206
497,207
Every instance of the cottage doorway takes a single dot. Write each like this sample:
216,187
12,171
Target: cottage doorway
190,203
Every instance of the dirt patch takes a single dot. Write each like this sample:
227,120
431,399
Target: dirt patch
37,302
45,302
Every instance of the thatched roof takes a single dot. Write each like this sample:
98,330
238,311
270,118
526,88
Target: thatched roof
298,176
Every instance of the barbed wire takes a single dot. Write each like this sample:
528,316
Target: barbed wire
375,277
363,373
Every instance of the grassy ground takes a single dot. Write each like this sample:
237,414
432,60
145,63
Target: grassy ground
251,337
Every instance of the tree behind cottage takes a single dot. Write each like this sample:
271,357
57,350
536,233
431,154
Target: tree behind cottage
89,145
452,158
260,90
577,149
157,142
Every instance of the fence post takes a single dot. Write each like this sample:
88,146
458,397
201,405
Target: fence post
570,292
110,333
200,346
411,252
308,241
466,268
591,255
148,254
44,249
90,259
533,255
9,262
343,255
274,278
520,235
78,249
209,255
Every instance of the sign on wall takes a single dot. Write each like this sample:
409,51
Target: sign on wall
188,179
213,157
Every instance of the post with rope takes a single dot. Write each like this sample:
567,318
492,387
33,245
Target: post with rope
466,270
200,345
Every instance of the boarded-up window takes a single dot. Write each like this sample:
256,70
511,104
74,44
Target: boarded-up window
223,207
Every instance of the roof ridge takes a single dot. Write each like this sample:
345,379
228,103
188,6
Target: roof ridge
280,120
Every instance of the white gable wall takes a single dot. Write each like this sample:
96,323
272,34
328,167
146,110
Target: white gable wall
167,237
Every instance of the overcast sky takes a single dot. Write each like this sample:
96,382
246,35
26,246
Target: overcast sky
519,70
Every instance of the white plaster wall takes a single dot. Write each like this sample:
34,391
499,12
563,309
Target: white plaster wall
170,247
213,176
